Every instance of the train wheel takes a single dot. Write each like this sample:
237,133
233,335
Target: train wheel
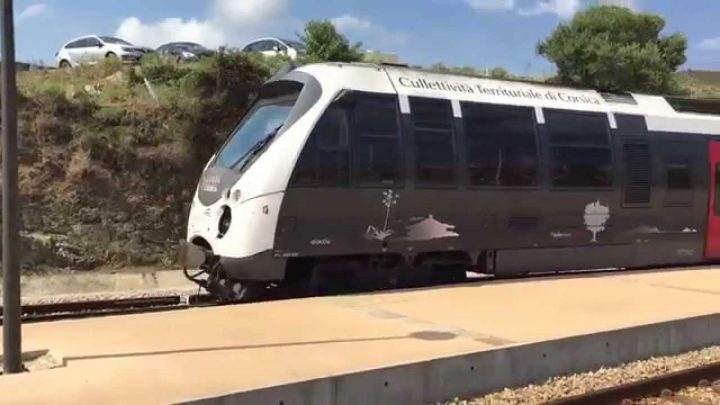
227,290
247,291
452,275
333,277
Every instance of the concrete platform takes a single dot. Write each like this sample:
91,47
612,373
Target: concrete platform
404,347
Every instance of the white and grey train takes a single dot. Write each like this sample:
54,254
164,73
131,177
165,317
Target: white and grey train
364,173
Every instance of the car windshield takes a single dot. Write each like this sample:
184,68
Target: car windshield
189,46
295,44
263,120
115,40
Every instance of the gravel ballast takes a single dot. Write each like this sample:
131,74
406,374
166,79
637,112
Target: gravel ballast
111,295
576,384
709,393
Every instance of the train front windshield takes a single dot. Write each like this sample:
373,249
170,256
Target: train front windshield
262,122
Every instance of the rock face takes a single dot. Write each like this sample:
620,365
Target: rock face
106,178
108,164
97,231
130,221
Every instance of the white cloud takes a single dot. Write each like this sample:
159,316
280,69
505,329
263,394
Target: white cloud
712,44
565,9
350,23
562,8
32,10
248,12
368,31
631,4
491,5
170,29
230,22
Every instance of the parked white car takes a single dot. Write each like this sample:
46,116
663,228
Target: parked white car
272,46
91,49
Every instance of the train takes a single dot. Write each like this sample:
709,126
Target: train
383,175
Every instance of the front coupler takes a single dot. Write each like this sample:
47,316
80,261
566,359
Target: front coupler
216,282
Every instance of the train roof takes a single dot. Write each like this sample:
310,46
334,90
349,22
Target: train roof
667,113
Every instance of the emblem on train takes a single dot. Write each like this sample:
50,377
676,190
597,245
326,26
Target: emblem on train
596,216
416,228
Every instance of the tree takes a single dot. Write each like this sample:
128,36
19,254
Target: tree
495,73
324,44
613,49
499,73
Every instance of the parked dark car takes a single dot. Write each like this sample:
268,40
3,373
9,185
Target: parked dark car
184,51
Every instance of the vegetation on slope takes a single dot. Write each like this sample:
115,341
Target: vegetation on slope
108,164
700,83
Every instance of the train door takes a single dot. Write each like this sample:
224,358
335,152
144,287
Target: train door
712,247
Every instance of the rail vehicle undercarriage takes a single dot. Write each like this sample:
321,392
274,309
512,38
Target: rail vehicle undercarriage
320,276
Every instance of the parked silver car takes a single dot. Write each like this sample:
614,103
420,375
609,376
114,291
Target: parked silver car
91,49
272,46
184,51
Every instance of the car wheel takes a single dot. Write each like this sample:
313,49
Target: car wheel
64,64
110,55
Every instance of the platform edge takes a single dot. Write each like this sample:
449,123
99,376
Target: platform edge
481,372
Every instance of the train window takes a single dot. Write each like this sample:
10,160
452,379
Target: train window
434,143
679,177
332,143
581,167
305,172
376,147
501,145
569,127
679,183
324,159
579,149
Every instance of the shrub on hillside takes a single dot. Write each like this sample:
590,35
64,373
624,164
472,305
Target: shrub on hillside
107,170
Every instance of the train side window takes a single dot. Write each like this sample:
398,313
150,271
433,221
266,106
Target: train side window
332,143
501,145
376,147
580,151
679,183
679,177
324,159
434,142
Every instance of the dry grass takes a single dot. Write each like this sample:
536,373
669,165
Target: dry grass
107,171
80,166
702,84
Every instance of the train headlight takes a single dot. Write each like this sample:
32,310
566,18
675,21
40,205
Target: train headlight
225,220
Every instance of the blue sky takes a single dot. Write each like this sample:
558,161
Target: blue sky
480,33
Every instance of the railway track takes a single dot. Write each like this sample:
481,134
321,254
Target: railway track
84,309
90,308
663,386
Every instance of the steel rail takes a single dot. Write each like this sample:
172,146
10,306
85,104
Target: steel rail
650,387
93,308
